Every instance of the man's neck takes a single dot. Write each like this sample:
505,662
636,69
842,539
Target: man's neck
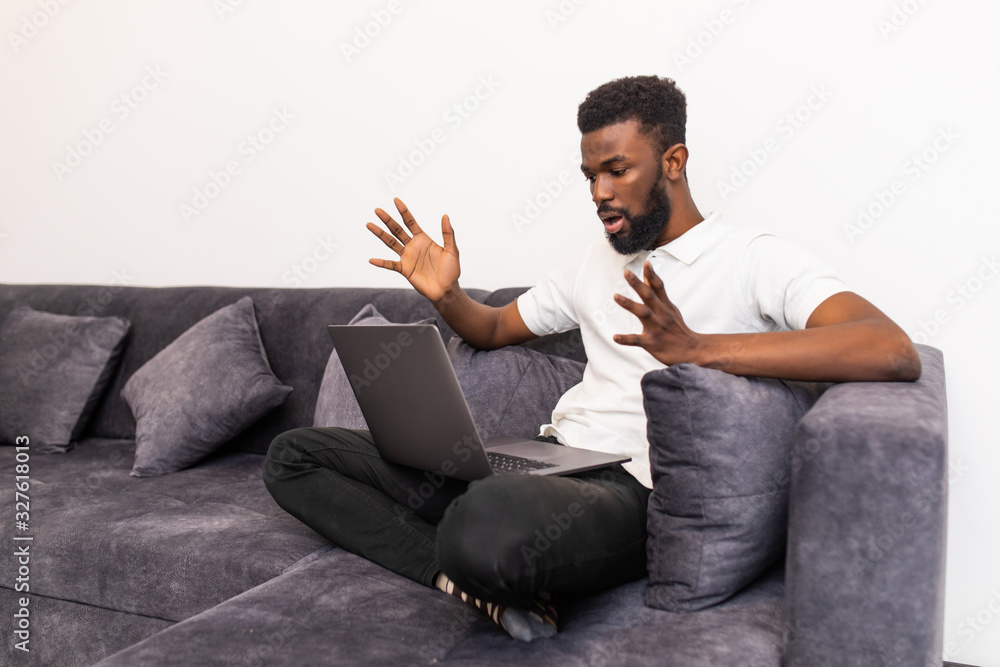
682,218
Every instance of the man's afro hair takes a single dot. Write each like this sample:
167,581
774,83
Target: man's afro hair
657,103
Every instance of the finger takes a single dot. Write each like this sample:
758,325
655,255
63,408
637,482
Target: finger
386,238
386,264
641,288
448,235
393,226
408,218
642,311
634,340
654,282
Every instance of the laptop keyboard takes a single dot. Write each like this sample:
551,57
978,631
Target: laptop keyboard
504,463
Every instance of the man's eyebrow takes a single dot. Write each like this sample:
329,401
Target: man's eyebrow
608,162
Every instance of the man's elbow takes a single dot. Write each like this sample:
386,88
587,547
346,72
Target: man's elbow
904,360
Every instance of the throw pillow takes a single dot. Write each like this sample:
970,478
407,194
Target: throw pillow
200,391
336,404
511,390
720,455
53,371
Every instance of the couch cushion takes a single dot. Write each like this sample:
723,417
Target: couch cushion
166,547
719,448
201,390
70,634
343,610
53,370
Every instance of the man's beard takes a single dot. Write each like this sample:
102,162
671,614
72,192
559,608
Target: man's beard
643,228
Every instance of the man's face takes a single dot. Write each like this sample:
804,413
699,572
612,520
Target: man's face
626,174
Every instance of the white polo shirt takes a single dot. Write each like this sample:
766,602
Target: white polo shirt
724,279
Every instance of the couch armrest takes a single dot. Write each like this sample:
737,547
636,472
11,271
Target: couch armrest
866,534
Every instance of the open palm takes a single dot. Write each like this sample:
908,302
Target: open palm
429,267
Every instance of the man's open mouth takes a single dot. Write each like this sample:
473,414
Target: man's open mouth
612,222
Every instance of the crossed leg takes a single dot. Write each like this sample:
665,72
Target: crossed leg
504,539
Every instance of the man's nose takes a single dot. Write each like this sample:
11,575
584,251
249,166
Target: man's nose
601,190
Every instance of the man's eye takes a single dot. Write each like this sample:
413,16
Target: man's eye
590,179
618,172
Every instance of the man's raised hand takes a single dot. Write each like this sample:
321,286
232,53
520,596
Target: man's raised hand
430,268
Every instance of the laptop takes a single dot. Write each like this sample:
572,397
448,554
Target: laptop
410,396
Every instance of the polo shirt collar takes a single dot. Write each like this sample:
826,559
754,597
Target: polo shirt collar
688,246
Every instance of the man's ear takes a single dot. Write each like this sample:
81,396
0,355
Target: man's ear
674,161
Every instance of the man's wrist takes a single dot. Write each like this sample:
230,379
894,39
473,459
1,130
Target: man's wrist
450,295
716,351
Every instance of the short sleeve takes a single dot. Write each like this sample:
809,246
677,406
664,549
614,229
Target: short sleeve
548,307
784,283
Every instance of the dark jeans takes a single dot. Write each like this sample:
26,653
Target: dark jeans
503,539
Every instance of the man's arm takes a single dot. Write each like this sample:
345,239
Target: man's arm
846,339
433,270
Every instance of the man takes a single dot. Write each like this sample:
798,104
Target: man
718,296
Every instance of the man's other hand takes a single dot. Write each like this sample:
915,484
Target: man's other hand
664,333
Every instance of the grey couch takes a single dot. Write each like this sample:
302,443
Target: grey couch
201,567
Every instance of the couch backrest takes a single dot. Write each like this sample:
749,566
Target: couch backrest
292,326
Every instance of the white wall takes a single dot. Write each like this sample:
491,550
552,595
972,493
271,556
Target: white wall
897,79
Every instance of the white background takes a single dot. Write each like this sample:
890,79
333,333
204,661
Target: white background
895,76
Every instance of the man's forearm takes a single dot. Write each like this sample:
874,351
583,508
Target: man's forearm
845,339
474,322
480,325
853,351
